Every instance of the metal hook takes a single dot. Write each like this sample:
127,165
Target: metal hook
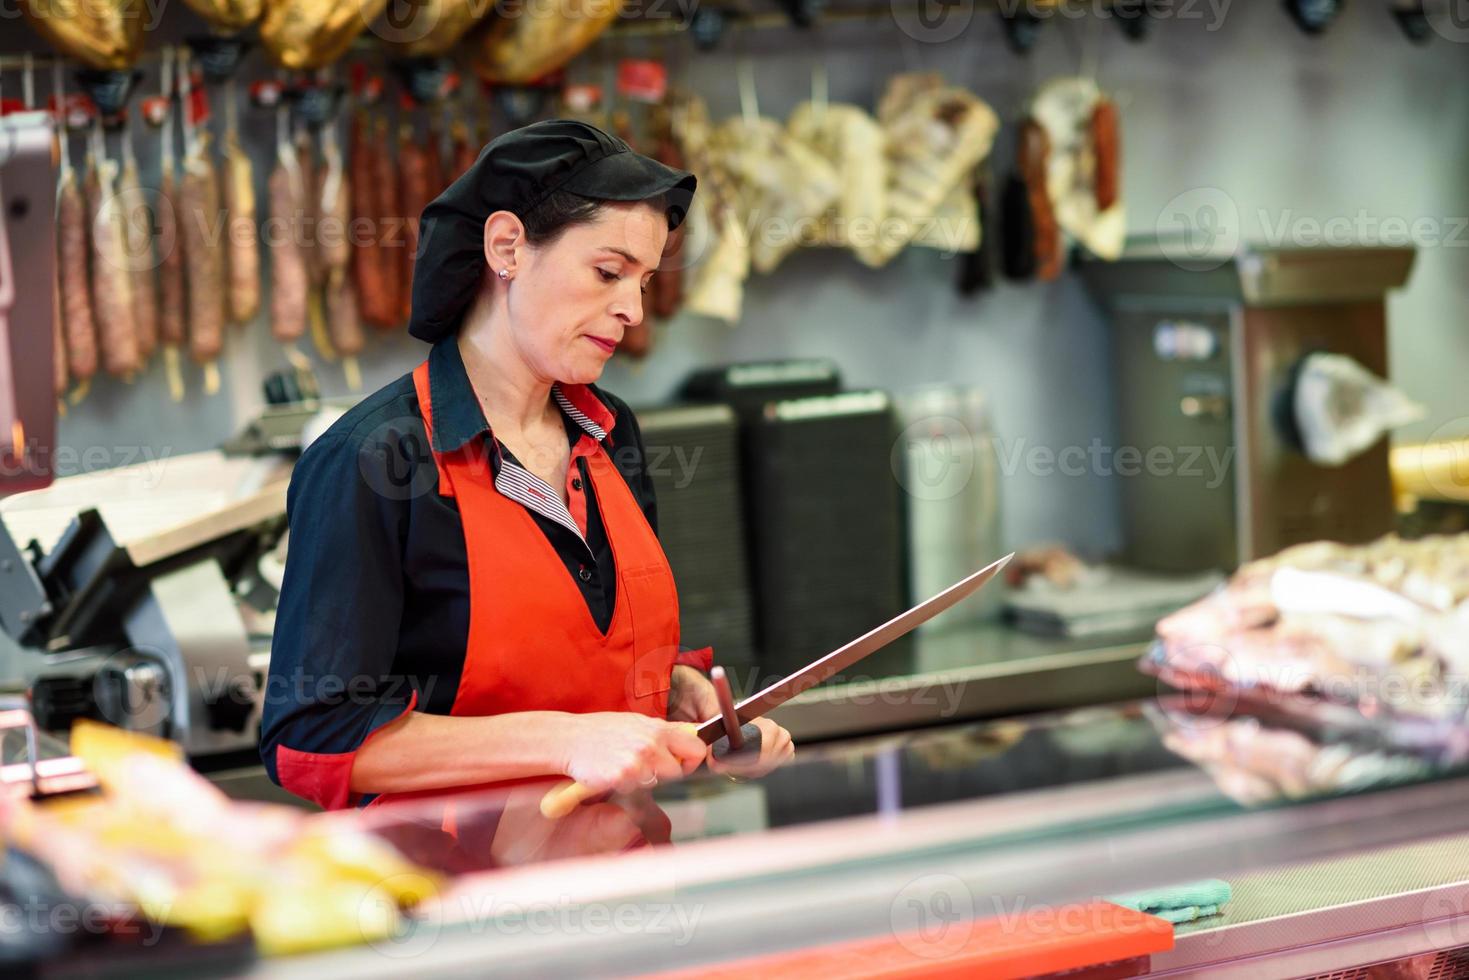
820,90
28,81
749,102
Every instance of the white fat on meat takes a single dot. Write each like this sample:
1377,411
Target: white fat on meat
785,187
1383,626
936,135
1296,591
855,145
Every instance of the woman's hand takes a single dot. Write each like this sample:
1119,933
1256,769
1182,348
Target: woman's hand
623,751
776,749
691,698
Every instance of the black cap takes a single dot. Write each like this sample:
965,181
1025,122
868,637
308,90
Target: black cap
516,171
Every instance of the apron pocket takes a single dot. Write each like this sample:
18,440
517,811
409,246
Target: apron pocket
653,605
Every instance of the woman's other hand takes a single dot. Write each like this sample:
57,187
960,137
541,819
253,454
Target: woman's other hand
776,749
691,696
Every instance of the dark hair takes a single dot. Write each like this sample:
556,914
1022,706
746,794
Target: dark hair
563,210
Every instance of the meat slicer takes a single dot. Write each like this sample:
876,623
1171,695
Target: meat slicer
134,596
125,595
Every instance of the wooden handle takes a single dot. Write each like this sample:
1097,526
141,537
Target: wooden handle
562,799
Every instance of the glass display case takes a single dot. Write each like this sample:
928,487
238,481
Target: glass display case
925,840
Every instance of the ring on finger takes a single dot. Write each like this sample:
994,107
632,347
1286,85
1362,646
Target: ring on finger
648,783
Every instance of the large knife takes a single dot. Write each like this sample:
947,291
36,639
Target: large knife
566,797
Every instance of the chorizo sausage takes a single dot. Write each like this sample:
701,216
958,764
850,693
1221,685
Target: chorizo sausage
172,316
390,230
137,221
58,337
1035,151
308,208
242,248
289,277
368,277
112,294
1106,143
76,295
203,255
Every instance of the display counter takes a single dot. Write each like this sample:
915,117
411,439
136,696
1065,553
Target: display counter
924,841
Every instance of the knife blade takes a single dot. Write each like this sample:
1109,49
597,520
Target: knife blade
843,657
565,797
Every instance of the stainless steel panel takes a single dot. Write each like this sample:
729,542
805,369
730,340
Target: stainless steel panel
189,621
1291,499
1174,520
1271,277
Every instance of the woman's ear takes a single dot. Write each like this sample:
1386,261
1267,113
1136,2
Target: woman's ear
504,238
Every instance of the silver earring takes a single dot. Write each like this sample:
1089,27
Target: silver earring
505,274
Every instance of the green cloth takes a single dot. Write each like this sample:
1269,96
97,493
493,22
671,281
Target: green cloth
1179,903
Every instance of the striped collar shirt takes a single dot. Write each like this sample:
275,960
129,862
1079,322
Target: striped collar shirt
459,420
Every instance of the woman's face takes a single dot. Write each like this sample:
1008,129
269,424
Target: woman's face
571,301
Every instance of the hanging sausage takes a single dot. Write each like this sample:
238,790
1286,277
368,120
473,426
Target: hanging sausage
199,215
290,279
371,276
172,309
390,229
112,288
1082,171
238,191
344,324
77,323
1106,144
142,263
1034,157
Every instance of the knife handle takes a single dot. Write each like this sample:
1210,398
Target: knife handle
750,733
563,798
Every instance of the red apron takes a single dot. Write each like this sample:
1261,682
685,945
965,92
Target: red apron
533,645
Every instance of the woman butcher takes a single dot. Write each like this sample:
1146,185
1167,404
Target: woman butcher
475,593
